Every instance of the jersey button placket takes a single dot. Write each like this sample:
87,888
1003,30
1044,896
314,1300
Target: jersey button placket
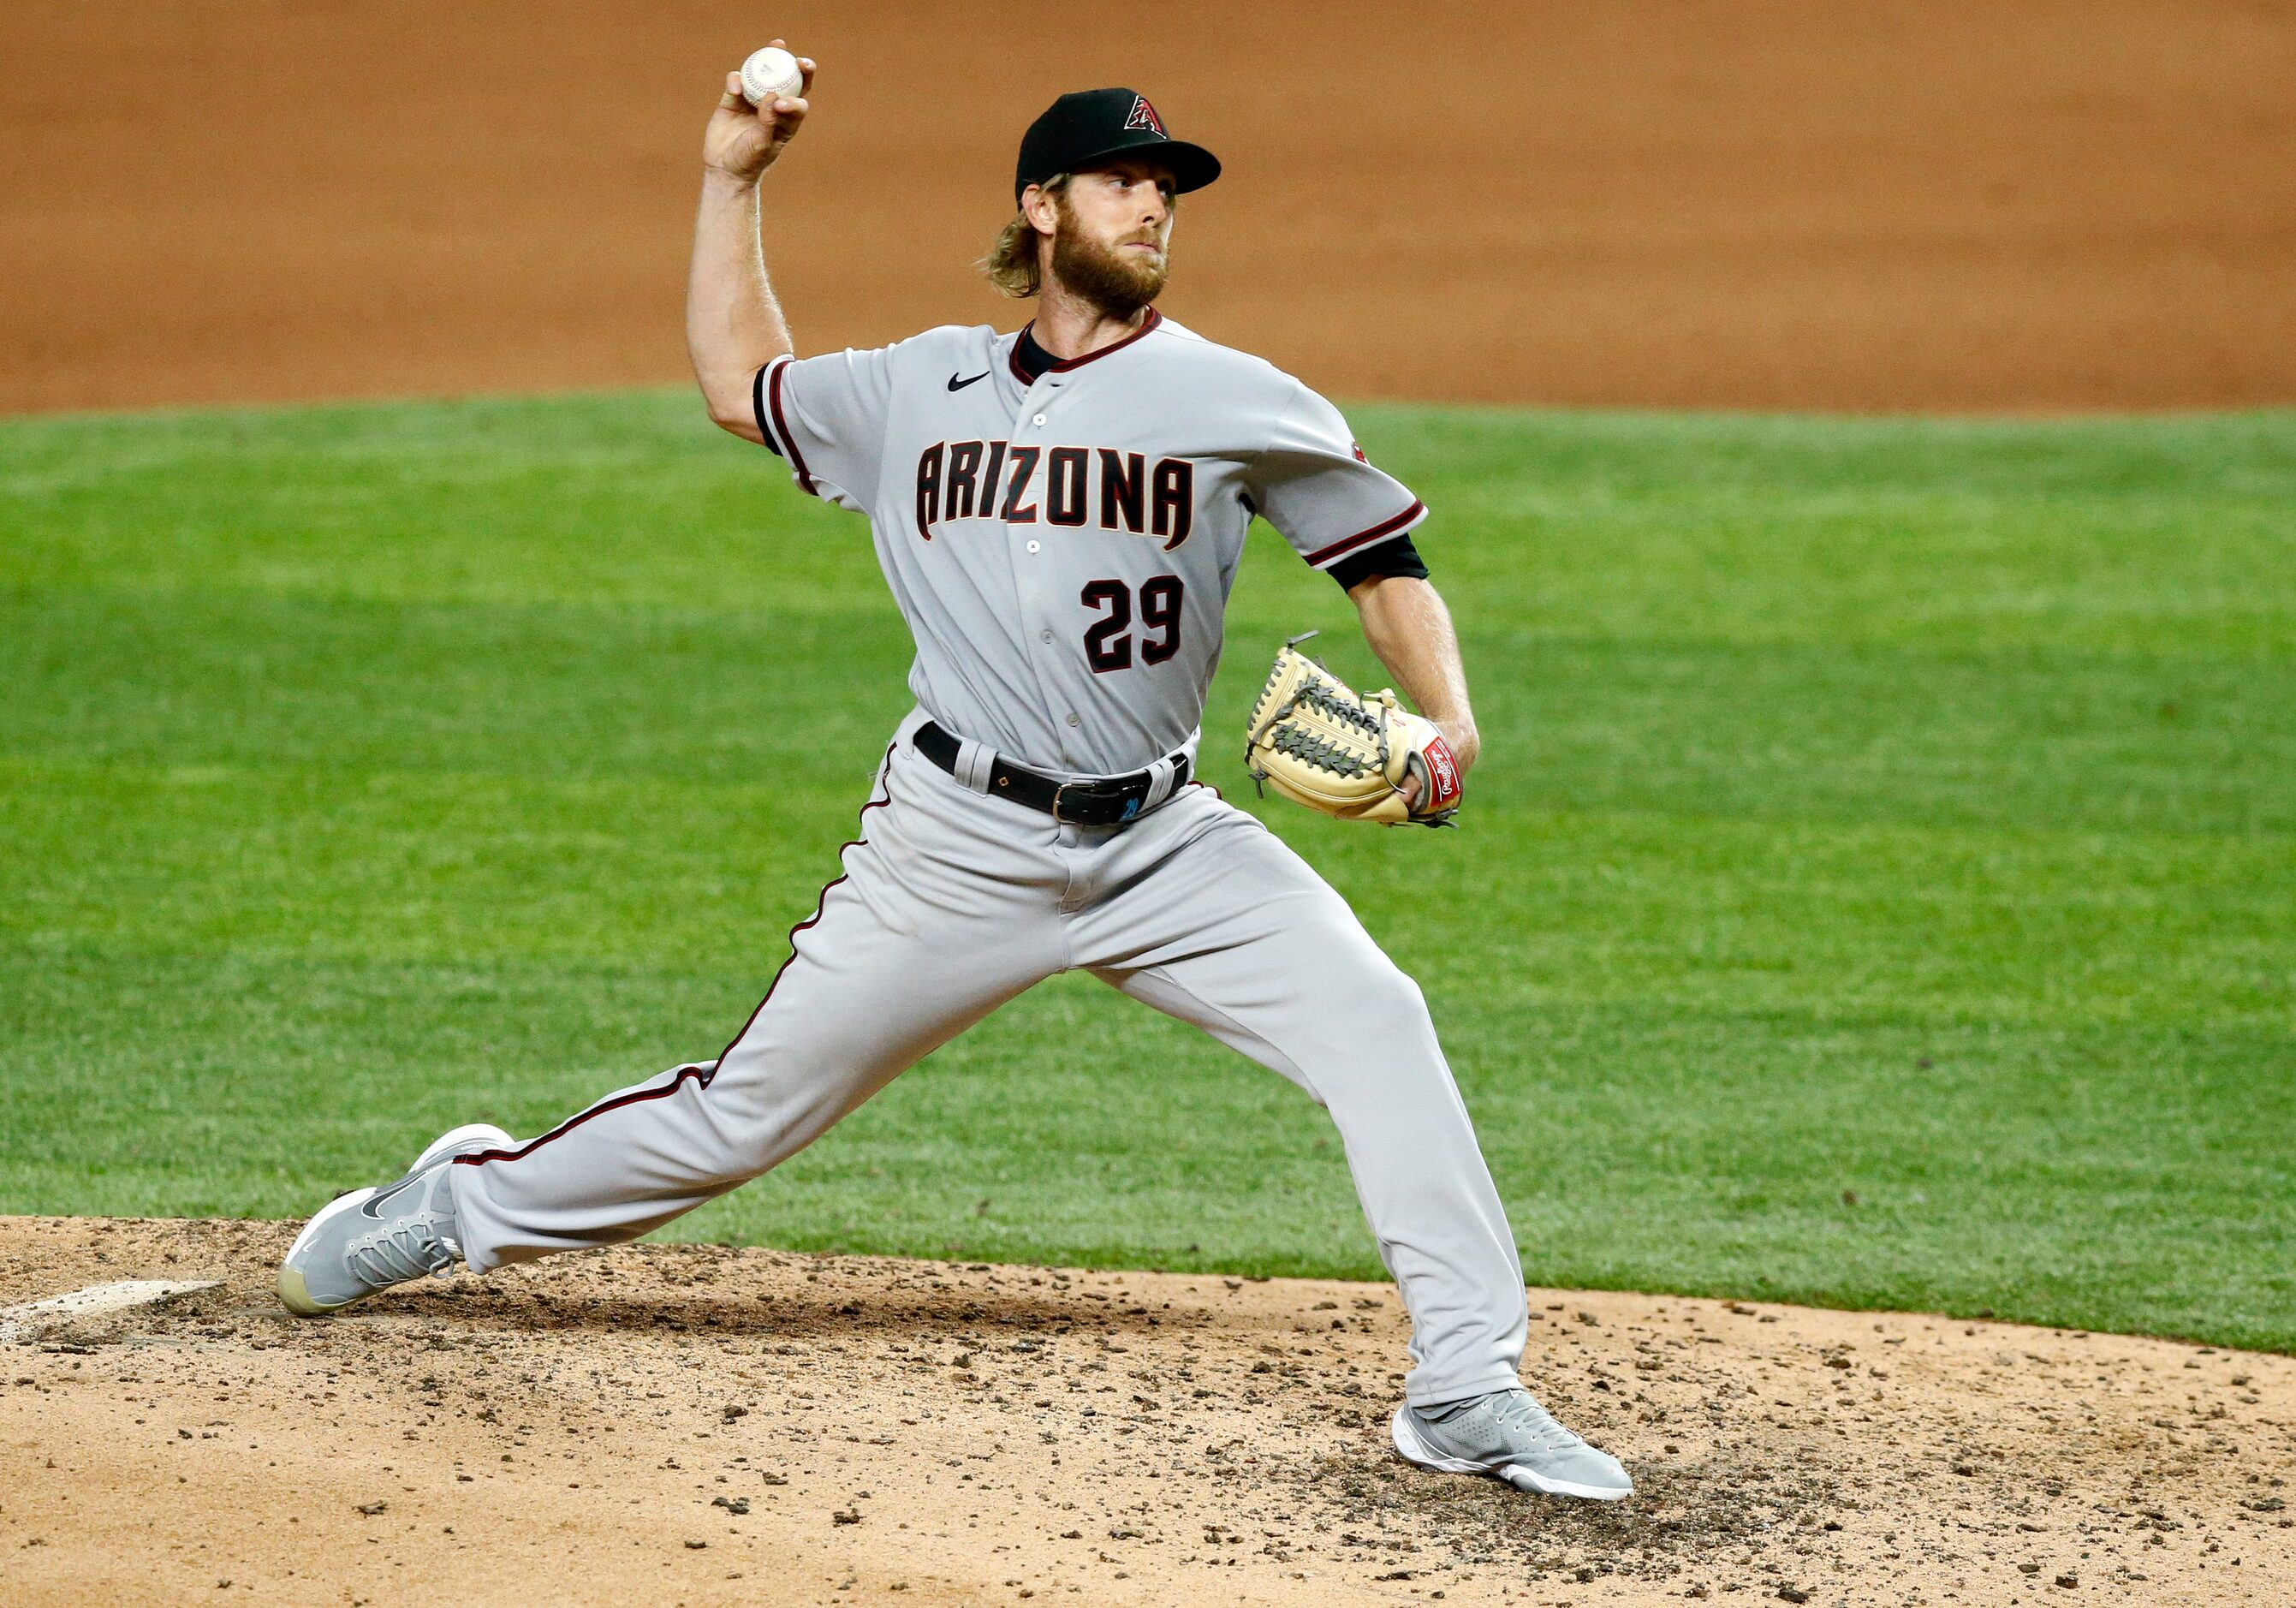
1029,583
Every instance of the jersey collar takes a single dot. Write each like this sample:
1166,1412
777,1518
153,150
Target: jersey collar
1030,362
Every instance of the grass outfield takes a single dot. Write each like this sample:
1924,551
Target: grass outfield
1896,813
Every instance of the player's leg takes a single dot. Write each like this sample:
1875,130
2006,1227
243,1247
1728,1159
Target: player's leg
939,916
1235,933
1214,921
936,921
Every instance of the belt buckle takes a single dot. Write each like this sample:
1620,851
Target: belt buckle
1130,811
1059,790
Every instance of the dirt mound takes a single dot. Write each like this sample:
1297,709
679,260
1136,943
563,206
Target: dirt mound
695,1425
1936,204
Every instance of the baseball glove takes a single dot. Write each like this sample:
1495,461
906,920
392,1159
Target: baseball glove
1319,743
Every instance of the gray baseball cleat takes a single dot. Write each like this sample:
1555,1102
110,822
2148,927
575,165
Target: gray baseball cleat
1508,1435
371,1239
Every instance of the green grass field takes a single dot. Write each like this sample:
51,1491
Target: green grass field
1891,810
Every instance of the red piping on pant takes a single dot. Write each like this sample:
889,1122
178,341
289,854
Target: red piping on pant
689,1074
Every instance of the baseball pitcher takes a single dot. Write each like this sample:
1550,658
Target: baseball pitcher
1060,512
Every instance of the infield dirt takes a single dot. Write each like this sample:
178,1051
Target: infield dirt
1938,204
704,1425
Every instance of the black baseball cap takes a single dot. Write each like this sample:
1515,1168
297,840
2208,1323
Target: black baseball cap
1091,126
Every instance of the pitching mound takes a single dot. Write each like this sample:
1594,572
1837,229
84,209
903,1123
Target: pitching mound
694,1424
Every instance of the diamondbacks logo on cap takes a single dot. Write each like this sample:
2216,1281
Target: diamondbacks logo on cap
1144,116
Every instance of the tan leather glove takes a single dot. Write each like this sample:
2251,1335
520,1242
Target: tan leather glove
1319,743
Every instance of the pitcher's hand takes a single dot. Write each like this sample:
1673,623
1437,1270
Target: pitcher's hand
743,141
1466,748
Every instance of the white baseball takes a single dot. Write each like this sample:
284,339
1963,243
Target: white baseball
769,72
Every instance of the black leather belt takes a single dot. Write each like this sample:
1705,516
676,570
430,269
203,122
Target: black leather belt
1110,801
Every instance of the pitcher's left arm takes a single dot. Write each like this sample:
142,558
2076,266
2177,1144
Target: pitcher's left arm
1407,626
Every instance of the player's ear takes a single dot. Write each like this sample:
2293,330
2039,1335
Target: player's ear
1042,209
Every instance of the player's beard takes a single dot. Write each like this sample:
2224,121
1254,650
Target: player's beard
1118,281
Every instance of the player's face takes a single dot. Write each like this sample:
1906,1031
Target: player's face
1112,242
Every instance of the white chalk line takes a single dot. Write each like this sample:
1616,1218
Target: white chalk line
94,1301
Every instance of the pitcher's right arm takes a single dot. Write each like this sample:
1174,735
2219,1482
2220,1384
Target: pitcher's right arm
733,326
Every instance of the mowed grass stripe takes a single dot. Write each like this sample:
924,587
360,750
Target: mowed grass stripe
1902,809
2166,534
1941,923
2031,738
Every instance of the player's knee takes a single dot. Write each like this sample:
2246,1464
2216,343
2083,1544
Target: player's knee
1382,999
744,1131
742,1142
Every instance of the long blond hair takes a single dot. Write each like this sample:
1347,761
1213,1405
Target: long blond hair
1014,264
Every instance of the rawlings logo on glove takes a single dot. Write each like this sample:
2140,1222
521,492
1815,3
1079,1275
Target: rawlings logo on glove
1319,743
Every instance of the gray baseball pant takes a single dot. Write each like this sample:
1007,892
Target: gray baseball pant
951,903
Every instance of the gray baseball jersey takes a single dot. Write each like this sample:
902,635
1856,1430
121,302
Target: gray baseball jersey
1063,548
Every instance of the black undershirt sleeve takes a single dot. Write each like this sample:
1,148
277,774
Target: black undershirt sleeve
1394,556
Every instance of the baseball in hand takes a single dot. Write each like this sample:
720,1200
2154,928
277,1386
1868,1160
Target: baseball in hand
769,72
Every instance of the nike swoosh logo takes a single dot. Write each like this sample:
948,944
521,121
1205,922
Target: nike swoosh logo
371,1207
957,384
